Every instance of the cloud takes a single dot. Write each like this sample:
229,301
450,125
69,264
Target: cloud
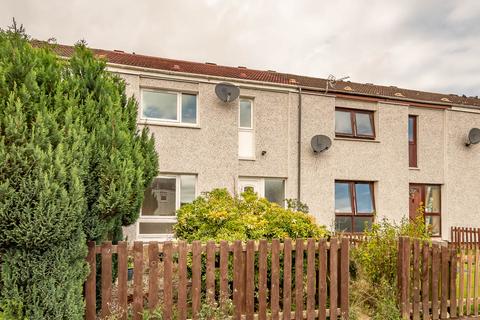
428,45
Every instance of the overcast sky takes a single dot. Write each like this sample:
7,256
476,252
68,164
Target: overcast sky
418,44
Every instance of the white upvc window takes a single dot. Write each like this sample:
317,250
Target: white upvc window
273,189
163,198
246,133
169,107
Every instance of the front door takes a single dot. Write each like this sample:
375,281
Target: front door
415,200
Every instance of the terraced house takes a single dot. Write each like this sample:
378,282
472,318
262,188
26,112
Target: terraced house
392,150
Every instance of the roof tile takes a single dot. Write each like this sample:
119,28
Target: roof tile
347,87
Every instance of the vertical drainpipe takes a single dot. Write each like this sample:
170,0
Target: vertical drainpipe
299,154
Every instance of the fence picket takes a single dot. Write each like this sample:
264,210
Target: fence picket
333,278
262,280
275,280
416,279
322,279
344,279
167,280
182,280
287,279
426,281
469,282
444,283
435,278
311,276
210,281
250,280
299,279
106,278
196,277
237,279
153,275
224,290
122,278
461,288
138,280
453,283
476,281
90,284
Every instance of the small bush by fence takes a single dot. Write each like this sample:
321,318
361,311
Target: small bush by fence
290,280
462,237
437,282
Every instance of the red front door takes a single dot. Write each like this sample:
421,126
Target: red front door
415,200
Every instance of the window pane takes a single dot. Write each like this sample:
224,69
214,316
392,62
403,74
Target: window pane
361,224
156,228
160,198
363,198
275,191
343,123
245,114
364,125
433,224
342,197
159,105
189,108
245,144
411,129
187,189
343,224
432,199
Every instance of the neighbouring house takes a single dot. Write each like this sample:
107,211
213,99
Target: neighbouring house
392,149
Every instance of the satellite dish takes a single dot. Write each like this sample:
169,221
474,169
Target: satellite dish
227,92
473,137
320,143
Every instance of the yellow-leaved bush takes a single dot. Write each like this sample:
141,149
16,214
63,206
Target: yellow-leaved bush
218,215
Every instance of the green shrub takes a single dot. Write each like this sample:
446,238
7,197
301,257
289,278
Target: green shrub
73,167
217,215
376,257
375,264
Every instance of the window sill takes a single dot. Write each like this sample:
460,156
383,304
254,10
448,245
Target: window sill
414,168
356,139
155,237
168,124
246,159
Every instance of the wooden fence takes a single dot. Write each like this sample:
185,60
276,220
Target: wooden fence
465,237
290,280
438,282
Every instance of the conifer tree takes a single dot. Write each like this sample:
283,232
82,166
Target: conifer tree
73,167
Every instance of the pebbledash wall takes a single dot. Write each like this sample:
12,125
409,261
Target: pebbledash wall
210,149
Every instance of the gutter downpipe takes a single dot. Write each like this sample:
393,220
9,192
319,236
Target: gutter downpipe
299,154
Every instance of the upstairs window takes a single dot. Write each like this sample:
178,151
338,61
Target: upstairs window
354,206
246,139
167,106
412,141
354,123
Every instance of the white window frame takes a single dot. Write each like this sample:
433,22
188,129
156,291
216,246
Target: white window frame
179,120
250,129
260,182
164,219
